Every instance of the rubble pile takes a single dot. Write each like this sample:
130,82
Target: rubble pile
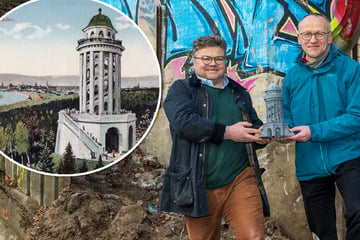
118,203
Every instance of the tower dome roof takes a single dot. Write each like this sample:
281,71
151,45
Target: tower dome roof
100,20
273,87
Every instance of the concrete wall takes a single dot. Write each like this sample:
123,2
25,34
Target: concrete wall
22,193
43,189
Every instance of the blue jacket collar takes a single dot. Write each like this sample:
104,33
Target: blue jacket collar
334,52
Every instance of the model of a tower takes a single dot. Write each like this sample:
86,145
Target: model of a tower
100,127
275,125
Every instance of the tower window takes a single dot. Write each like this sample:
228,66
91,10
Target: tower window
105,106
106,85
87,74
96,90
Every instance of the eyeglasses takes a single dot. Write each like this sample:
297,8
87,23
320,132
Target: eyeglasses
318,35
207,59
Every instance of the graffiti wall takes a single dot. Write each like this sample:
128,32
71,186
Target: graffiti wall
261,34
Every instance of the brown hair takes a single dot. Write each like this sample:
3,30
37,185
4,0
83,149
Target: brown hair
208,41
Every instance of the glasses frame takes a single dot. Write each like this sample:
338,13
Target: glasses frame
215,59
317,34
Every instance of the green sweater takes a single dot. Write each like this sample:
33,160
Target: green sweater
227,160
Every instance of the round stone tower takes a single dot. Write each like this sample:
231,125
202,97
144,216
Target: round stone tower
100,67
101,127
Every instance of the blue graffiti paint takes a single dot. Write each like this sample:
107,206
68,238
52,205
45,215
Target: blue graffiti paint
128,7
253,30
252,40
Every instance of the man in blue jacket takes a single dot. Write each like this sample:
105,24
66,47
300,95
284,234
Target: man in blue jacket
321,102
212,125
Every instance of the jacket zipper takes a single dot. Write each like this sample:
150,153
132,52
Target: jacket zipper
204,148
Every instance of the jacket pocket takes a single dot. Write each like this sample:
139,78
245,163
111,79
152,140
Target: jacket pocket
182,189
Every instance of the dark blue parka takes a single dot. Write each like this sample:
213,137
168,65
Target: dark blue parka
188,108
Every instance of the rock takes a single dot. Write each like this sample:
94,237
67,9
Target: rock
74,203
129,214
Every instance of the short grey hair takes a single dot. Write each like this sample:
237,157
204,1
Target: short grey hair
315,15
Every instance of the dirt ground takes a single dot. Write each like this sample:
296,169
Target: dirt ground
118,203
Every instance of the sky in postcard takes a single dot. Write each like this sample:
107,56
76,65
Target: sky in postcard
40,38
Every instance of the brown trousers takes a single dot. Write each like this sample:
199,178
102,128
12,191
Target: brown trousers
239,202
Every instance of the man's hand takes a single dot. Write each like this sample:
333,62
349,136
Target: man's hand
284,140
242,132
262,141
303,135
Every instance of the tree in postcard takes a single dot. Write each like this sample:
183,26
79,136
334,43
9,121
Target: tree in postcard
45,160
21,141
67,165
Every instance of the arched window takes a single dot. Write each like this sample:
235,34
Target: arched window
96,70
87,74
106,62
87,95
106,85
96,90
